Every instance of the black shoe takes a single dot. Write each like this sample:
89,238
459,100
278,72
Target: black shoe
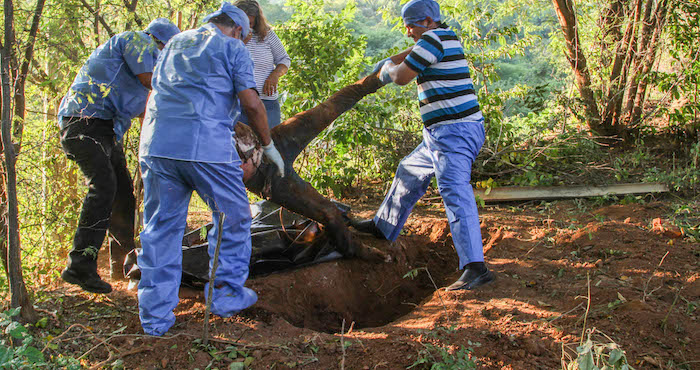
369,227
89,282
471,278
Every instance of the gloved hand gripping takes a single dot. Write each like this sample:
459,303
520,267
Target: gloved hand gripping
384,73
274,156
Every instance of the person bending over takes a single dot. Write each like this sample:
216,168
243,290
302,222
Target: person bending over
110,89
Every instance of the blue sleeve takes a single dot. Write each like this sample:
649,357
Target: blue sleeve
241,67
140,52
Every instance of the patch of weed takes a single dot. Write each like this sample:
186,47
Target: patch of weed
18,350
439,357
598,352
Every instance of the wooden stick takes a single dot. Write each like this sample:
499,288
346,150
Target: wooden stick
212,275
342,345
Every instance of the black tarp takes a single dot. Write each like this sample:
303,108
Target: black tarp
281,240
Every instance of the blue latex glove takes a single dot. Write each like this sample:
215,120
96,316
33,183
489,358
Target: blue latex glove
380,64
384,73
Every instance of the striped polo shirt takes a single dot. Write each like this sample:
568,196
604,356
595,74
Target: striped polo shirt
266,55
445,87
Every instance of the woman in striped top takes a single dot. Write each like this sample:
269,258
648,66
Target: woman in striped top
270,60
452,137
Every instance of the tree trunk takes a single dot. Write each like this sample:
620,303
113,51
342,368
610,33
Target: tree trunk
21,78
610,25
567,20
636,72
18,290
3,193
618,75
648,61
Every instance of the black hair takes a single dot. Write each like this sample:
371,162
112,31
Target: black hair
223,20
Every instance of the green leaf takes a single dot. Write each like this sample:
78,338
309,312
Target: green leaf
236,366
248,361
615,356
14,311
586,362
5,354
121,329
16,330
42,322
33,355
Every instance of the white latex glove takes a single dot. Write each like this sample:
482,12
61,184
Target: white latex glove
384,72
274,156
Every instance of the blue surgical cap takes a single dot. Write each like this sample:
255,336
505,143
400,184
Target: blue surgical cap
417,10
237,15
162,29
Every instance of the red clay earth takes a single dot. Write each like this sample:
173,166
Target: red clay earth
641,272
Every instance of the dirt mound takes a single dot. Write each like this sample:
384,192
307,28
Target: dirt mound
560,270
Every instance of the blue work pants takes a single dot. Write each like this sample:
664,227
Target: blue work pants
168,186
446,152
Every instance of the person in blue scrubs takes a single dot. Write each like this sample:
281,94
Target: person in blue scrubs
188,144
110,89
453,134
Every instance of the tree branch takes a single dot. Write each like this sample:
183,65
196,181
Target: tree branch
99,17
567,20
131,7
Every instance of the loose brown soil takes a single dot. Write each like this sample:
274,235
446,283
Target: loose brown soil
640,274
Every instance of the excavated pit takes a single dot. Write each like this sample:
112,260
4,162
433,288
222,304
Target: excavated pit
365,293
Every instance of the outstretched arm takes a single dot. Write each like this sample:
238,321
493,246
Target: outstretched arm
400,74
398,58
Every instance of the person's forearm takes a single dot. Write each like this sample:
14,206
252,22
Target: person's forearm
400,74
280,70
257,118
398,58
145,79
257,115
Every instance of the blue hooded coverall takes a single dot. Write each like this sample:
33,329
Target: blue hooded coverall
187,144
93,116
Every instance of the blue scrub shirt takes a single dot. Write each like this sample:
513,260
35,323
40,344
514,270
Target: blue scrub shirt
193,107
106,87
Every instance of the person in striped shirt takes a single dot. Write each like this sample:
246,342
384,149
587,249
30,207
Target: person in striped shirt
453,134
270,60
